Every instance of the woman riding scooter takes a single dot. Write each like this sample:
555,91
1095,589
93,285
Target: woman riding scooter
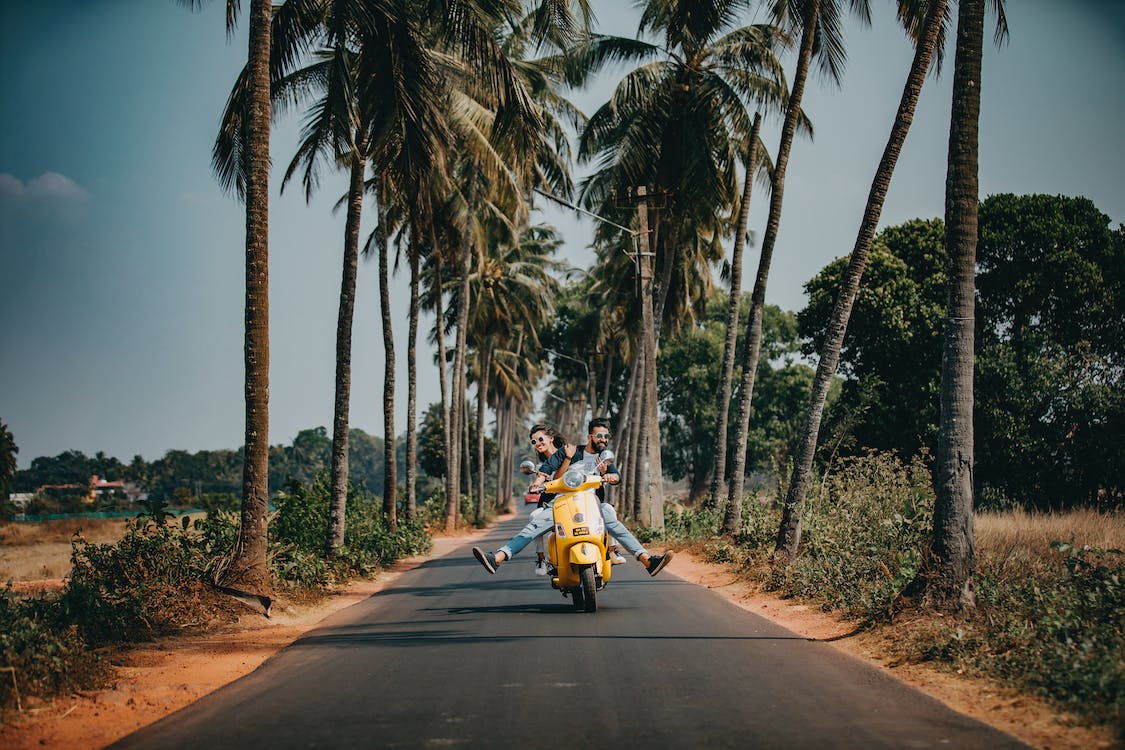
544,446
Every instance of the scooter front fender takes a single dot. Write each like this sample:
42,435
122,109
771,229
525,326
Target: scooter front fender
585,553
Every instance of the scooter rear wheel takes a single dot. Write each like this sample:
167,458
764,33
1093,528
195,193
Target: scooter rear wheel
589,590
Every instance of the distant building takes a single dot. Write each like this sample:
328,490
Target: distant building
96,486
21,499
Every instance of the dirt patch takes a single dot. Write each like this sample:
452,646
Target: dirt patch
156,679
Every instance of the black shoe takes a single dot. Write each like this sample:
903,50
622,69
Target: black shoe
487,559
656,563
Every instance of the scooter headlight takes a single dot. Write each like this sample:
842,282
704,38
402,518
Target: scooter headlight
574,479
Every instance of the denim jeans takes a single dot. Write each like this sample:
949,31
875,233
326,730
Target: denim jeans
618,531
542,520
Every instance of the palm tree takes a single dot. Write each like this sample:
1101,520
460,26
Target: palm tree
722,403
926,42
390,467
675,123
512,289
333,132
819,22
247,568
364,110
502,108
950,579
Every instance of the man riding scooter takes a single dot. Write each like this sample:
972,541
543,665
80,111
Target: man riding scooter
542,523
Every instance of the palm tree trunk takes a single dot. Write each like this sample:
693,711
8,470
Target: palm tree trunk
789,532
951,582
592,386
732,521
631,501
248,569
390,476
484,362
636,436
606,383
500,431
412,380
451,506
466,433
338,508
460,381
722,405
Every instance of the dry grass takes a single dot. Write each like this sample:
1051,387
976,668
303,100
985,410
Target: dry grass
37,550
1020,537
1019,542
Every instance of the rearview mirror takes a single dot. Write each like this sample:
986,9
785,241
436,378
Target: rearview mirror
527,467
607,455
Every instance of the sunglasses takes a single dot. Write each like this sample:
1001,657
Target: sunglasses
541,439
601,435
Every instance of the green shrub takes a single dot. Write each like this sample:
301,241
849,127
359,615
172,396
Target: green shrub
302,523
690,524
293,567
150,582
864,532
47,658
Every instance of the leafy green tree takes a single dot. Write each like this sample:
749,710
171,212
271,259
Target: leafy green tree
8,451
1051,370
215,471
68,467
365,459
892,356
690,371
1050,327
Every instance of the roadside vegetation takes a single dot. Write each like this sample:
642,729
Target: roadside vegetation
1050,587
157,579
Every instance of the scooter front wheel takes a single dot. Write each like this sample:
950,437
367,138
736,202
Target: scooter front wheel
589,590
577,598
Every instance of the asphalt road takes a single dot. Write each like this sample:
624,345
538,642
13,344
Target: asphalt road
451,656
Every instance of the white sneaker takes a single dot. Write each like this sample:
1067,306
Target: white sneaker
541,568
616,558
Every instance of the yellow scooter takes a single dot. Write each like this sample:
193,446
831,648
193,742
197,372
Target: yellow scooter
577,547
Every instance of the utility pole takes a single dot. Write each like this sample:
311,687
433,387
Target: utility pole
653,504
650,491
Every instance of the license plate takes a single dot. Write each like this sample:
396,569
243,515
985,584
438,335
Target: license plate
581,530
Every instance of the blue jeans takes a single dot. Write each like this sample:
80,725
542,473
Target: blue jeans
543,520
618,531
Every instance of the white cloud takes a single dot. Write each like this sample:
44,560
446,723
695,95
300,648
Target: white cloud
49,194
10,186
55,185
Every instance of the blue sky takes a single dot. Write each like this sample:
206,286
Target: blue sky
121,262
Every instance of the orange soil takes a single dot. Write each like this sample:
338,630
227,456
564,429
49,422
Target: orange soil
156,679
